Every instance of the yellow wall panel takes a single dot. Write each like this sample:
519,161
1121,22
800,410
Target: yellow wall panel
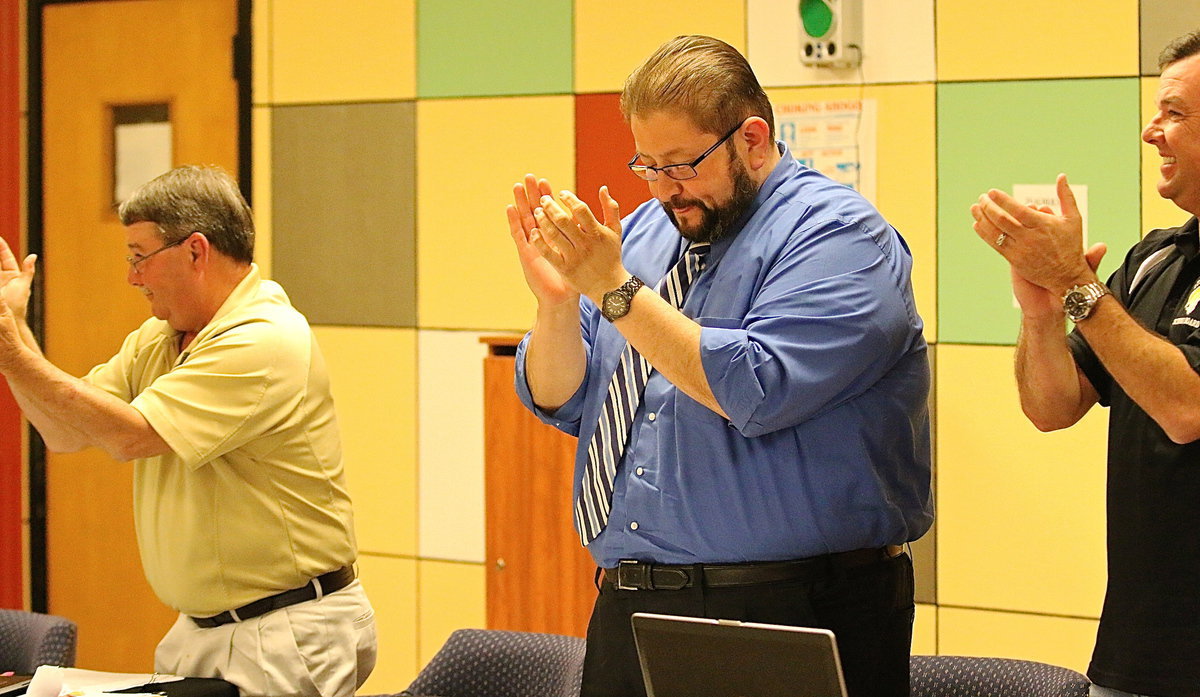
356,50
374,385
469,154
391,584
924,640
1157,212
261,187
450,385
453,596
1021,513
1029,39
905,182
612,37
1059,641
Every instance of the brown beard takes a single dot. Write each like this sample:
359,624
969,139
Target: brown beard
717,223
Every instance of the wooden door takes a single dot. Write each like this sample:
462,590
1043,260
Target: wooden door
539,578
99,56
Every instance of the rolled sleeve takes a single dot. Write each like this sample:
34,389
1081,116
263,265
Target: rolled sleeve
567,417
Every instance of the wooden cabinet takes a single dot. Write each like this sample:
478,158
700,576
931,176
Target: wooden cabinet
539,578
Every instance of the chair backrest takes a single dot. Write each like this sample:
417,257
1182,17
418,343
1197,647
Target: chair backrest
970,676
30,639
494,663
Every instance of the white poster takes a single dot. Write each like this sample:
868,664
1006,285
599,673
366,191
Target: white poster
1039,195
835,137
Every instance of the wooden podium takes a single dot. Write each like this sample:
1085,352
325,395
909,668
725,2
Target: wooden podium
539,578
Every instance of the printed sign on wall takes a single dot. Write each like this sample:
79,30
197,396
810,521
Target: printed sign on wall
836,138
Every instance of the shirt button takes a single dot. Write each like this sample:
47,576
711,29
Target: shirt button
652,416
633,525
640,471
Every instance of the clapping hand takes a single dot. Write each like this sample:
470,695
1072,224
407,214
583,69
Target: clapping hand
546,283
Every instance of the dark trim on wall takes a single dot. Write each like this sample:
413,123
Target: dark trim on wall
34,179
243,74
242,47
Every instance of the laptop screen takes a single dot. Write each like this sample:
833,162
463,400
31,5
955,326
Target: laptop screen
696,657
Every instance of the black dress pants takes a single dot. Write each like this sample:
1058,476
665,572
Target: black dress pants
869,608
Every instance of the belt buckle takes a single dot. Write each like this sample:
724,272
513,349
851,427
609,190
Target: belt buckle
632,575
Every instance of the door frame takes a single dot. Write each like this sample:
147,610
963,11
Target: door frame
242,47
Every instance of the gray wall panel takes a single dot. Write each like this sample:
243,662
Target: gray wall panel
1162,21
344,211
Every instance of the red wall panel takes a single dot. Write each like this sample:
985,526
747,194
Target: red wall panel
603,144
11,549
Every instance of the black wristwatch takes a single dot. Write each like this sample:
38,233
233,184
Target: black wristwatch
615,303
1079,300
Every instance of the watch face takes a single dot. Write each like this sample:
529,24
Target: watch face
615,305
1076,305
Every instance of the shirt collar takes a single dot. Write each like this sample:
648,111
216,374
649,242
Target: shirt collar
784,169
1187,238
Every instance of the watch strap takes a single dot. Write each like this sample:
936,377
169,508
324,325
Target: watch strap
625,291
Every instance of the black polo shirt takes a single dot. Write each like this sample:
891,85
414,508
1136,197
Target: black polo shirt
1149,637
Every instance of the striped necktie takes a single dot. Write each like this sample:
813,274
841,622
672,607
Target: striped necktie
607,445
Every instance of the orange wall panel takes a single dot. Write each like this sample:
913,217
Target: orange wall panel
603,144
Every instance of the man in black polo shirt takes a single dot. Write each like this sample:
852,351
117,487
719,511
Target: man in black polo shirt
1135,349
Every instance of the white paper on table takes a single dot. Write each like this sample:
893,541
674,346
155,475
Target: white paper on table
53,681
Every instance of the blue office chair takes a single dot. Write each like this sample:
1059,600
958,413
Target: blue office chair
30,639
970,676
494,663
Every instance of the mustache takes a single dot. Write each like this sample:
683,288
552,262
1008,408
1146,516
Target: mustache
678,202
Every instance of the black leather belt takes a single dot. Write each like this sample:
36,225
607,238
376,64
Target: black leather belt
634,575
320,586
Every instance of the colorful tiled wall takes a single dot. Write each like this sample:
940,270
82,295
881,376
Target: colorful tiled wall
388,134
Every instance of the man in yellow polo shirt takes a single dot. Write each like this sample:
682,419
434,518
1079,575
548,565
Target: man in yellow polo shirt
222,400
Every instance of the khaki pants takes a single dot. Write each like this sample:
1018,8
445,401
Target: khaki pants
319,648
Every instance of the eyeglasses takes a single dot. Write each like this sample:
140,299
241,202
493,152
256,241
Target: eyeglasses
680,171
136,261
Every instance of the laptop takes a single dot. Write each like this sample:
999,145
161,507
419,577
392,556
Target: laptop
698,657
14,685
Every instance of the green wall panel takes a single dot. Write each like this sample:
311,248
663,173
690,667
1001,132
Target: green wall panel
997,134
484,48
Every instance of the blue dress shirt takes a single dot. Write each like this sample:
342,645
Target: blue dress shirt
812,345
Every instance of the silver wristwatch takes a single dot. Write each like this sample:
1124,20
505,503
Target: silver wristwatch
1079,300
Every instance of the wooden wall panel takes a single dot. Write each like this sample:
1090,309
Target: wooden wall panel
539,578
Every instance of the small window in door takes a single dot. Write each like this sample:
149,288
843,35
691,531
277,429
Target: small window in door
141,146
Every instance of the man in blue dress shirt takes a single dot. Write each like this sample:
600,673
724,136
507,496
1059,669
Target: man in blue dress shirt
768,454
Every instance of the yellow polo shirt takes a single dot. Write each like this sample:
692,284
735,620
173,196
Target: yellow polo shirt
252,499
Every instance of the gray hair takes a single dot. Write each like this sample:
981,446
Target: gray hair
195,199
703,77
1185,46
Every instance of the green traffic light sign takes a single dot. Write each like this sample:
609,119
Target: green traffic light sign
817,17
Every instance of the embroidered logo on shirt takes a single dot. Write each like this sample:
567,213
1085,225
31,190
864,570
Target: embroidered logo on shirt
1193,299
